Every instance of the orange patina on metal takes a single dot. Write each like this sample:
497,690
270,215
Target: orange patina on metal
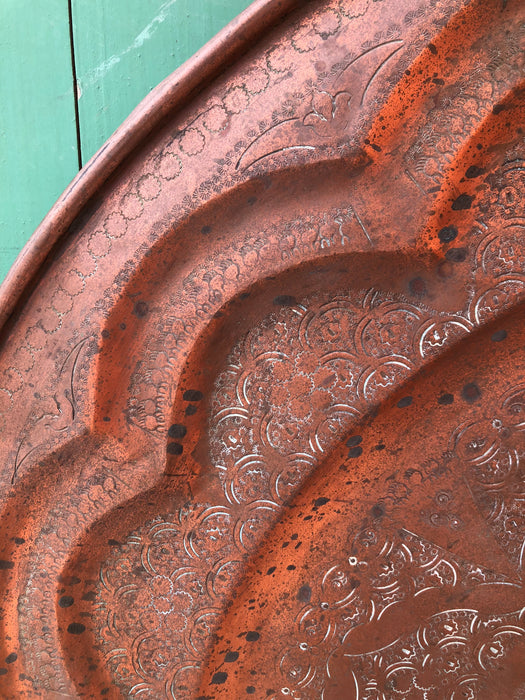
262,393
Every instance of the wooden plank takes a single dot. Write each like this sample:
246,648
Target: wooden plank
38,144
124,48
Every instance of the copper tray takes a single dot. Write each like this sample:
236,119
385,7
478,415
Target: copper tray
262,375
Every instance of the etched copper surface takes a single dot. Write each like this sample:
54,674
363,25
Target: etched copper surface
262,393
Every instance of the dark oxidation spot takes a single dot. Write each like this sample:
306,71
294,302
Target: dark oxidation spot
3,671
66,601
285,300
231,656
290,567
464,201
174,448
471,392
190,410
113,543
380,446
354,440
417,287
5,564
193,395
76,628
446,399
205,230
11,658
219,677
432,49
19,540
141,309
271,570
304,594
105,333
456,255
177,431
321,501
355,452
404,402
447,234
378,510
122,326
498,336
474,171
250,689
252,636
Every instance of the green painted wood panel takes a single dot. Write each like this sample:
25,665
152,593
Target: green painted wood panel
124,48
38,143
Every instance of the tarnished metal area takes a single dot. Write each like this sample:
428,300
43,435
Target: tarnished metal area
262,391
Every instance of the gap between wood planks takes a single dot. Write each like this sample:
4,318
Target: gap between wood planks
75,83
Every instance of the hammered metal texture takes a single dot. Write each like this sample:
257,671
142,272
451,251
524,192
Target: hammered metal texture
262,400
